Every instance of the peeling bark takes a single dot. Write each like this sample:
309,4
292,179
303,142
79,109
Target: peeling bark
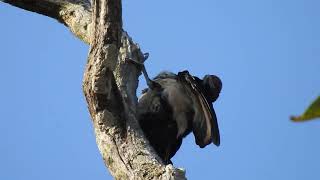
109,85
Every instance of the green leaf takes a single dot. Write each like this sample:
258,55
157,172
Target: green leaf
312,112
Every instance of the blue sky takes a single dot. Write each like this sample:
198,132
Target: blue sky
266,52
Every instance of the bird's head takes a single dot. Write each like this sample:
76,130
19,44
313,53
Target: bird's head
212,85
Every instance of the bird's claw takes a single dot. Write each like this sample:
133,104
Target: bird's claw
145,57
134,61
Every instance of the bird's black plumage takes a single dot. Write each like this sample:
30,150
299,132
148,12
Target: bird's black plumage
175,105
159,126
204,123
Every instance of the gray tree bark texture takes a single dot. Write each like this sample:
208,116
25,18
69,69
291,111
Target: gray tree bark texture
109,85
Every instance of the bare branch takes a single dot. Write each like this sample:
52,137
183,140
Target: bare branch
75,14
110,84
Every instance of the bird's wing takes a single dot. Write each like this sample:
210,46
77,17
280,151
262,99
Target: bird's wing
205,125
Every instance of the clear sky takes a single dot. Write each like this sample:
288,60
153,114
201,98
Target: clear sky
266,52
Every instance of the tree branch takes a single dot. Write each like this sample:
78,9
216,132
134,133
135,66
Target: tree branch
75,14
109,85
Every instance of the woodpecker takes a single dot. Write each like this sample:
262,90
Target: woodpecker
173,106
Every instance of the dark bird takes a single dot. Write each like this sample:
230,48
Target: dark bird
175,105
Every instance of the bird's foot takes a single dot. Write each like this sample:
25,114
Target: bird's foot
140,64
151,84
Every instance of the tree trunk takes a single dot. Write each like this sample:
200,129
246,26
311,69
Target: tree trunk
109,84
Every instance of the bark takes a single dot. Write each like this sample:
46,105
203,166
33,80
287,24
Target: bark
75,14
109,85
